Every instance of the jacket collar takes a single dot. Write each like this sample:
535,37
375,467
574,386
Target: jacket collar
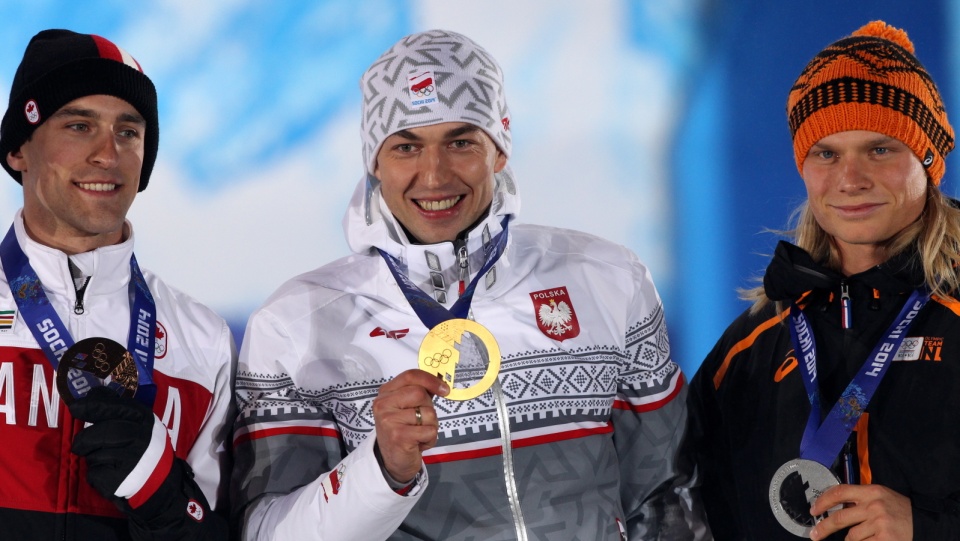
369,225
108,266
792,272
436,267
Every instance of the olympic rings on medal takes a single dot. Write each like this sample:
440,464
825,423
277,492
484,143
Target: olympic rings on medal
440,355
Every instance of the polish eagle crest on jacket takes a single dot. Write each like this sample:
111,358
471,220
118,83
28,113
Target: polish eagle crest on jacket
555,314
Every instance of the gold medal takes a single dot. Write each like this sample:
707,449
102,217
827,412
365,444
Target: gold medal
460,342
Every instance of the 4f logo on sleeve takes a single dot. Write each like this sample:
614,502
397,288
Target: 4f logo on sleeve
331,484
555,314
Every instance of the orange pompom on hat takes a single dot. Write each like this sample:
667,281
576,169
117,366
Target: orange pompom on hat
871,81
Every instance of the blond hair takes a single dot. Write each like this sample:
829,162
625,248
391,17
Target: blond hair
935,234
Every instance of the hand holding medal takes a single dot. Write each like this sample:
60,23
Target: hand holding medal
406,422
870,511
405,419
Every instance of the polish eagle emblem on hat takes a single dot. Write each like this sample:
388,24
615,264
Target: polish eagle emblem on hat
555,315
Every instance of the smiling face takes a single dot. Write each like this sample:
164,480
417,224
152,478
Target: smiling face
81,170
863,188
438,180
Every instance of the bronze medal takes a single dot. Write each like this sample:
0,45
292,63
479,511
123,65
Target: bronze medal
96,362
465,345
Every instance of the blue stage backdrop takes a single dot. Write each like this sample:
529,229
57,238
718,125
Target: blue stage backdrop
659,125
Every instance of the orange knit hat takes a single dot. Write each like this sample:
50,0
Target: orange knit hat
871,81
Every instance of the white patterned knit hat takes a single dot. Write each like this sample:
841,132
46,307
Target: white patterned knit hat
428,78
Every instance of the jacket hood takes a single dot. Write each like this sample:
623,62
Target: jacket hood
369,224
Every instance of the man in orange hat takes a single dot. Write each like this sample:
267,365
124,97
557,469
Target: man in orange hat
826,408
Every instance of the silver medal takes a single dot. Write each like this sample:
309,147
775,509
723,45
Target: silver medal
794,488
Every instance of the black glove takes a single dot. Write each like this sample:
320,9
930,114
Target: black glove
122,431
166,503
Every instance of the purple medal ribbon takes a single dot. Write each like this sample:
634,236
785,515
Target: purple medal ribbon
52,335
431,312
822,441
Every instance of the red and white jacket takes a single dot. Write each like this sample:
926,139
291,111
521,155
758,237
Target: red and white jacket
43,488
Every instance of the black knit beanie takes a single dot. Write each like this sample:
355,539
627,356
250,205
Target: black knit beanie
60,66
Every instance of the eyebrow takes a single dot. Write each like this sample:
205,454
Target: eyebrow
94,115
879,141
453,133
882,140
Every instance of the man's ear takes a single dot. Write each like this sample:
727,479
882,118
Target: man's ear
16,161
501,162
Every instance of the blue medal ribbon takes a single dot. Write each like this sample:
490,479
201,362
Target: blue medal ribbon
431,312
49,330
822,441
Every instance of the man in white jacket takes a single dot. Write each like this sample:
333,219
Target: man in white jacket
115,389
459,376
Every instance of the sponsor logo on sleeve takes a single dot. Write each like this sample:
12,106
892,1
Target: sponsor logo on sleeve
332,483
396,335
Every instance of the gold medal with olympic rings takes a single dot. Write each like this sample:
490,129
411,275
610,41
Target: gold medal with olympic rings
460,342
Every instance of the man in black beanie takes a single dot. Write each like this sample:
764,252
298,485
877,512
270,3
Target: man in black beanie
115,389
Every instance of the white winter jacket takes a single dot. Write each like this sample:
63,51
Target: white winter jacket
578,438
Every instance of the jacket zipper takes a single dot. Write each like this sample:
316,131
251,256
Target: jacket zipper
846,310
462,260
509,476
72,487
503,414
78,305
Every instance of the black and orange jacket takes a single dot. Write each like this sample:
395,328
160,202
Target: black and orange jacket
749,405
